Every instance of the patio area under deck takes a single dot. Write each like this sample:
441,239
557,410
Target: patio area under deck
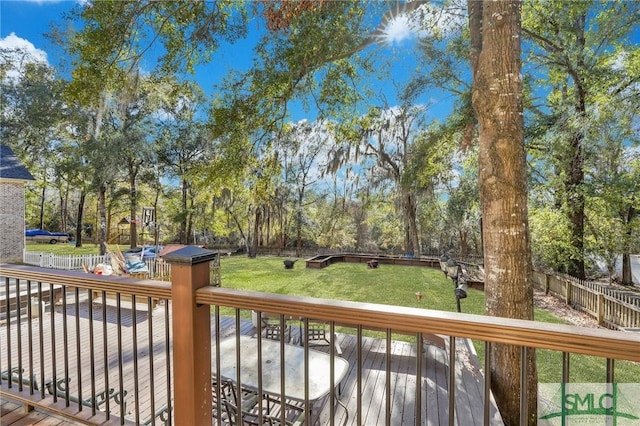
401,364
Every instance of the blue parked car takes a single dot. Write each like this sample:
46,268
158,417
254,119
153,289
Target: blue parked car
42,236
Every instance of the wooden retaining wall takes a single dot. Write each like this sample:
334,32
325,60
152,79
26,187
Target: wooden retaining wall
322,261
470,271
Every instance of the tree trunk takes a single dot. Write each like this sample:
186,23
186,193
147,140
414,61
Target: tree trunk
410,223
109,215
64,198
256,231
79,219
299,223
495,30
464,244
42,202
575,159
183,214
133,209
627,278
575,206
190,237
61,200
102,210
253,244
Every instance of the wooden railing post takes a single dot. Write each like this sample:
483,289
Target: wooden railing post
191,336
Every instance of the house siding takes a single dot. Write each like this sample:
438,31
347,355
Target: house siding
12,213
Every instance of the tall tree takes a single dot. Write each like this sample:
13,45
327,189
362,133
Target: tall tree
389,141
303,143
184,145
495,33
615,183
129,120
32,117
577,44
383,145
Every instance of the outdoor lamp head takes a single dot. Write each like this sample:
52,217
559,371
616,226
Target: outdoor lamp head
461,290
460,293
452,268
443,263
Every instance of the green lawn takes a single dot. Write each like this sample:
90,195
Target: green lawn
67,248
388,284
397,285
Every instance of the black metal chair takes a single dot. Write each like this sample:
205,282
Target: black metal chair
317,333
248,415
274,329
228,392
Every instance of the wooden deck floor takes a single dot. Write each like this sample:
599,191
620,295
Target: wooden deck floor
152,375
14,414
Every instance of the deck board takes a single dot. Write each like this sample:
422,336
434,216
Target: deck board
436,388
402,361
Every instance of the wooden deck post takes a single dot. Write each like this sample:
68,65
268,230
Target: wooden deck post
191,336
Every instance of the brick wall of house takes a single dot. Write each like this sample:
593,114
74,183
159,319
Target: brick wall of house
12,211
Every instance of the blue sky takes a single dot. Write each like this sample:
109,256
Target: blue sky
29,20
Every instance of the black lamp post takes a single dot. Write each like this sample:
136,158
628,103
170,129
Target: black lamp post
460,291
459,282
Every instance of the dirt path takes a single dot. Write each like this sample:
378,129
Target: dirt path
558,308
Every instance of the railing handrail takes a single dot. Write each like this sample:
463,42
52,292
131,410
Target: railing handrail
604,343
108,283
559,337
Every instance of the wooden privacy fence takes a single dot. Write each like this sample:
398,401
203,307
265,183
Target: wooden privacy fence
611,307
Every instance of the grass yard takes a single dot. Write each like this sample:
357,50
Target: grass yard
64,249
388,284
397,285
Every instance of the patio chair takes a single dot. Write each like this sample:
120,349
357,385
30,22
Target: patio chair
228,393
253,418
317,333
273,328
249,414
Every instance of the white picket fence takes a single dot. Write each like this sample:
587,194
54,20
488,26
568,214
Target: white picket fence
156,270
67,262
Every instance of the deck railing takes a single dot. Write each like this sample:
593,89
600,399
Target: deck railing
94,349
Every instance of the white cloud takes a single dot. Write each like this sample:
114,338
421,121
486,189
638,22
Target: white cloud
31,53
20,52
